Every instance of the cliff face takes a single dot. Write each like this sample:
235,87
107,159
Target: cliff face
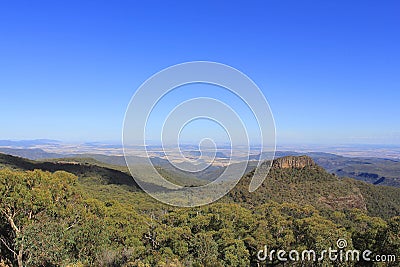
293,162
352,201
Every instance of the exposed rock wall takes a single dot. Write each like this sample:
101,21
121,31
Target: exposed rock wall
293,162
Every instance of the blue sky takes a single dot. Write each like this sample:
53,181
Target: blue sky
329,69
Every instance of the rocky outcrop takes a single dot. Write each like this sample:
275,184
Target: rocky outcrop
353,201
293,162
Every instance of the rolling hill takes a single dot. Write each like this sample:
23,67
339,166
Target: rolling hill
298,179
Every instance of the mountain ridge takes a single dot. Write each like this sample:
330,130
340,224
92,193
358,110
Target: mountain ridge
295,179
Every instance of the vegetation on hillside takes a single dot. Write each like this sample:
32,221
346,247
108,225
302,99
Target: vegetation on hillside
57,219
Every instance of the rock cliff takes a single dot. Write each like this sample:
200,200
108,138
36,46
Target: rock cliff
293,162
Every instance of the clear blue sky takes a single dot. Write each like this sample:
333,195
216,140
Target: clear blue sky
329,69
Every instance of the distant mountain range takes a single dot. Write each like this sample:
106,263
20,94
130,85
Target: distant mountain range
29,153
28,143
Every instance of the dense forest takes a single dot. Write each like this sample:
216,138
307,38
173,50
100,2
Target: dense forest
93,216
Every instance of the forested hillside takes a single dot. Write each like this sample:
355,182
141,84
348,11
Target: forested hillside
50,217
